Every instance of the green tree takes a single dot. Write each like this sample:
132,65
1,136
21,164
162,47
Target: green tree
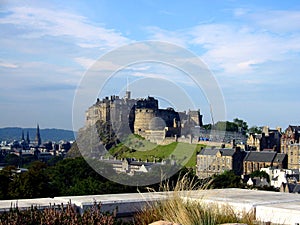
226,126
207,126
255,130
4,182
260,174
77,177
227,179
35,183
12,159
242,125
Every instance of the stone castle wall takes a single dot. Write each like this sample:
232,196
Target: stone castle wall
143,119
142,116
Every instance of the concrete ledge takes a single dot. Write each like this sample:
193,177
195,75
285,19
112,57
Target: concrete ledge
282,208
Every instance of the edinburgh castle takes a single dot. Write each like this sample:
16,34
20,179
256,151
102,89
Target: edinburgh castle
143,117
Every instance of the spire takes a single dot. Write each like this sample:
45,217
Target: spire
27,138
23,139
38,136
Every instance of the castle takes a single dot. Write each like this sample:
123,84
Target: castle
143,117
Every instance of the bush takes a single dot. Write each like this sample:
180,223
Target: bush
59,215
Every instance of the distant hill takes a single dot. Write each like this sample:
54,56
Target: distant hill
15,133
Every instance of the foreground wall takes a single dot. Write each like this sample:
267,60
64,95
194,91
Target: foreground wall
274,207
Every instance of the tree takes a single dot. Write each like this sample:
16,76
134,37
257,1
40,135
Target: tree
35,183
227,179
207,126
255,130
226,126
260,174
242,125
4,181
12,159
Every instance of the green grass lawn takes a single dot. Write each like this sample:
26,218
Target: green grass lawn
183,153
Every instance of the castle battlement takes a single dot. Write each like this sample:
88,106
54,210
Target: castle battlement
142,116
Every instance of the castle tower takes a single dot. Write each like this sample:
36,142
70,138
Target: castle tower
38,136
145,111
143,117
128,95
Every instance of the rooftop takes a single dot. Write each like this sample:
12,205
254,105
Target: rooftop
276,207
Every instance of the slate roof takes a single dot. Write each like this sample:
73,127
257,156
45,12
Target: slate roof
228,152
224,151
260,156
279,157
295,128
296,188
208,151
291,188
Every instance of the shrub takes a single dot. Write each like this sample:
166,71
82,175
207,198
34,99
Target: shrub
56,215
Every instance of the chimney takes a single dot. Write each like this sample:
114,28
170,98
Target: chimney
237,149
265,130
279,129
233,143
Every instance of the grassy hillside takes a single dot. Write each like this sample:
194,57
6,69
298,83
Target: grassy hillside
183,153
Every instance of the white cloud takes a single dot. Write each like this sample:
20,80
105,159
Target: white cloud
8,65
38,22
85,62
173,37
239,49
277,20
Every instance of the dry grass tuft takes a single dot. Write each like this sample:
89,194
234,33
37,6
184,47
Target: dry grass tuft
179,208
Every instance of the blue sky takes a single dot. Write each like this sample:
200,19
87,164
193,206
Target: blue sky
251,47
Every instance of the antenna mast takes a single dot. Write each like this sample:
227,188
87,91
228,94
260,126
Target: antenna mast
212,117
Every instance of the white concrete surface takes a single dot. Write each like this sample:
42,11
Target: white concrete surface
282,208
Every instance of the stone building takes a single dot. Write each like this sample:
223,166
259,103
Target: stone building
293,153
148,117
117,111
141,116
268,139
257,160
291,135
290,145
217,160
